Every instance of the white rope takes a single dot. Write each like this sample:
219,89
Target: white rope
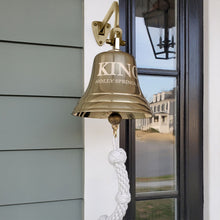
117,158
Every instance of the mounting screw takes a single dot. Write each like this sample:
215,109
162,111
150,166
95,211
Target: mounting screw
108,25
95,24
100,42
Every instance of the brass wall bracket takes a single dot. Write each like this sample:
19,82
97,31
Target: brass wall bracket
102,29
99,35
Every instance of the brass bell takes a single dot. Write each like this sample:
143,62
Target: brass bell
113,88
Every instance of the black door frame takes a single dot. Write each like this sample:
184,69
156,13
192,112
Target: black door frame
190,118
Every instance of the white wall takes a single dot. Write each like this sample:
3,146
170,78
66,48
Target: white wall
100,178
211,109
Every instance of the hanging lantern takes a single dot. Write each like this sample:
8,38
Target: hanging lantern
160,22
114,93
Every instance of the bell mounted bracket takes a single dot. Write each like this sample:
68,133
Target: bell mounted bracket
116,32
100,34
101,29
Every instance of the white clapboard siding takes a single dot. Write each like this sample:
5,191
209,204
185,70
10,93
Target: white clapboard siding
40,70
39,123
63,210
42,21
42,175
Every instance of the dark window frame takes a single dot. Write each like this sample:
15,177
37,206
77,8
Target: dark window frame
190,99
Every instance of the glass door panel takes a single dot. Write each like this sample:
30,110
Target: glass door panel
159,209
155,137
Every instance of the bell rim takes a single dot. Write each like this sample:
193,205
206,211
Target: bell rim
105,115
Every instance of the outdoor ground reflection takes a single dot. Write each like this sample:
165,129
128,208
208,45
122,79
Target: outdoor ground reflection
156,142
160,209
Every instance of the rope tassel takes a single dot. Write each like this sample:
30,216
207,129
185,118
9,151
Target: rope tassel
117,158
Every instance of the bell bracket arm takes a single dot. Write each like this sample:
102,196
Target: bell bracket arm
114,8
101,29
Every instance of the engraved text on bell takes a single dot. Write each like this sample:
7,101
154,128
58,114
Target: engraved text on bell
117,69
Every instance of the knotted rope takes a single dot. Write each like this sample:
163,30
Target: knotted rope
117,158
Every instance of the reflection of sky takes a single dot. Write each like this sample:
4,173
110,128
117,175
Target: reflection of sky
144,53
151,85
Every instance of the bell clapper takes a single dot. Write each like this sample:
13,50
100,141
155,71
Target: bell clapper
115,130
115,119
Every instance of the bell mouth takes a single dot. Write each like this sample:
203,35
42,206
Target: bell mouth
102,106
103,115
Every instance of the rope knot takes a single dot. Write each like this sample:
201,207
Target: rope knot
123,198
117,156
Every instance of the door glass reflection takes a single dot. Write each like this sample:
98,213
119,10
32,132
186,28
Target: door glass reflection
155,137
155,28
160,209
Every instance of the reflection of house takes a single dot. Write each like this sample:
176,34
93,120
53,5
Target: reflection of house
163,109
